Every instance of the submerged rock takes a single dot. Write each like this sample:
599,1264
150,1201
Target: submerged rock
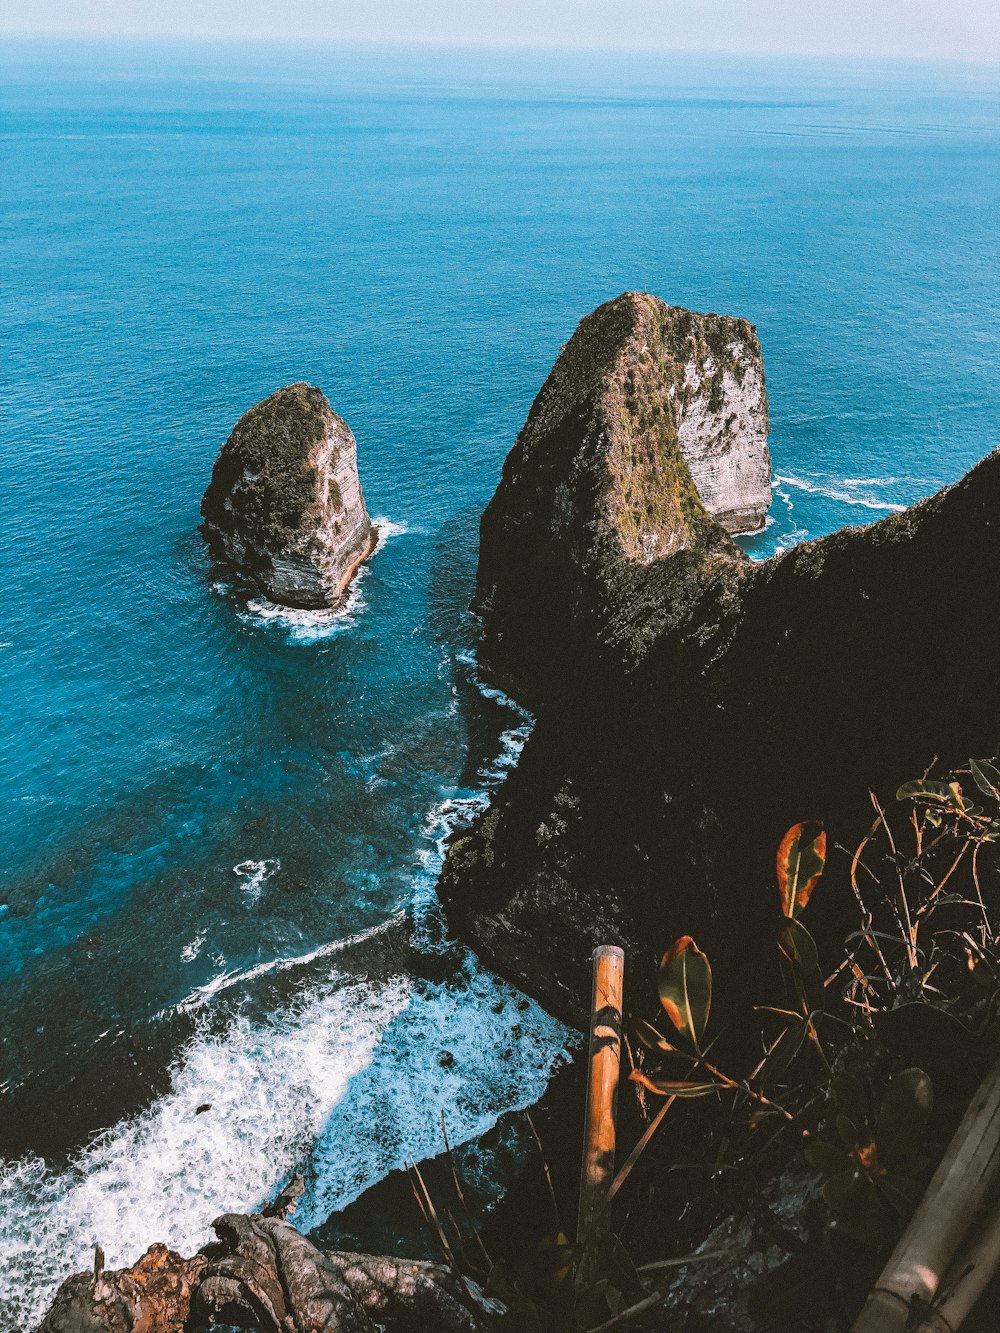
285,505
692,704
649,437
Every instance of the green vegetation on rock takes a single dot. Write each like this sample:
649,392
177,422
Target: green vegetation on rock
266,463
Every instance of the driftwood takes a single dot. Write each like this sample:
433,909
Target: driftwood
262,1274
949,1208
154,1294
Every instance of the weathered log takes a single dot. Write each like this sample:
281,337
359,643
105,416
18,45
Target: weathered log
951,1204
264,1273
974,1267
153,1296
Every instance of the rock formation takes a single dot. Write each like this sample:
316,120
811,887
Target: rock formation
648,438
692,705
284,504
263,1274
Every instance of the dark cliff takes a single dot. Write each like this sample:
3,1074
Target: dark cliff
692,707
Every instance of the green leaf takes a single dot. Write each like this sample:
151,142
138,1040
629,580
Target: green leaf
799,949
801,859
923,790
780,1058
986,777
901,1192
828,1158
651,1040
847,1130
685,986
902,1119
667,1087
848,1096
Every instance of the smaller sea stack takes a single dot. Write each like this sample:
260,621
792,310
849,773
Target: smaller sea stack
284,505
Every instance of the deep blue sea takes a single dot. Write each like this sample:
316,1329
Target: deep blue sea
194,789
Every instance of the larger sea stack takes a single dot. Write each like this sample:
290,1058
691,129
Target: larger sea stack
692,704
648,438
285,505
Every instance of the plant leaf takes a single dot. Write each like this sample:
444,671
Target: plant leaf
685,986
986,777
923,790
665,1087
799,949
906,1108
801,859
785,1050
652,1041
827,1158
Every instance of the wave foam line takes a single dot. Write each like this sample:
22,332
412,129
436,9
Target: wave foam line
202,995
840,495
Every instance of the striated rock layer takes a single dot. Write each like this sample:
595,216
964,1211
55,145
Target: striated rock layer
649,437
693,706
285,505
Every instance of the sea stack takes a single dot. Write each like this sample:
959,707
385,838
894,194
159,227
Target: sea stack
648,438
285,505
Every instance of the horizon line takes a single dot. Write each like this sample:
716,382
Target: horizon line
432,43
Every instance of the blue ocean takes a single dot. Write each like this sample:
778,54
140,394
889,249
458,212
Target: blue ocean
200,794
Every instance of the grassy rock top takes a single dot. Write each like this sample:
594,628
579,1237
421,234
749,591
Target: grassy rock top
267,458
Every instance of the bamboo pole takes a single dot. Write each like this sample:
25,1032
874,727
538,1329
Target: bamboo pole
598,1167
949,1207
975,1265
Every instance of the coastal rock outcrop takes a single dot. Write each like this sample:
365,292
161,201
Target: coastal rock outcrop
284,504
263,1274
648,438
693,704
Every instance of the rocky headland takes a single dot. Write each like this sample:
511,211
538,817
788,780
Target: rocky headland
284,504
693,704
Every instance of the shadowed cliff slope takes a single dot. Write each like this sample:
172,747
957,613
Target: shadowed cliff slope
700,706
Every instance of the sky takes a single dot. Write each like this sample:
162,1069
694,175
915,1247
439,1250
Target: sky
950,29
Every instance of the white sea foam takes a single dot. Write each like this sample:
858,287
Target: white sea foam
306,627
227,980
255,875
193,947
346,1085
387,530
844,492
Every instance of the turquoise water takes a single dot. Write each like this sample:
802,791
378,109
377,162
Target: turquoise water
184,230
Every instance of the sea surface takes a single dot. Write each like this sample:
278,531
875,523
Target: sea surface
201,795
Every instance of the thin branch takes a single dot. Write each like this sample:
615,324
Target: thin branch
546,1172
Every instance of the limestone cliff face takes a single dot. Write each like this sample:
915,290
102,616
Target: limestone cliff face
285,505
692,704
648,438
